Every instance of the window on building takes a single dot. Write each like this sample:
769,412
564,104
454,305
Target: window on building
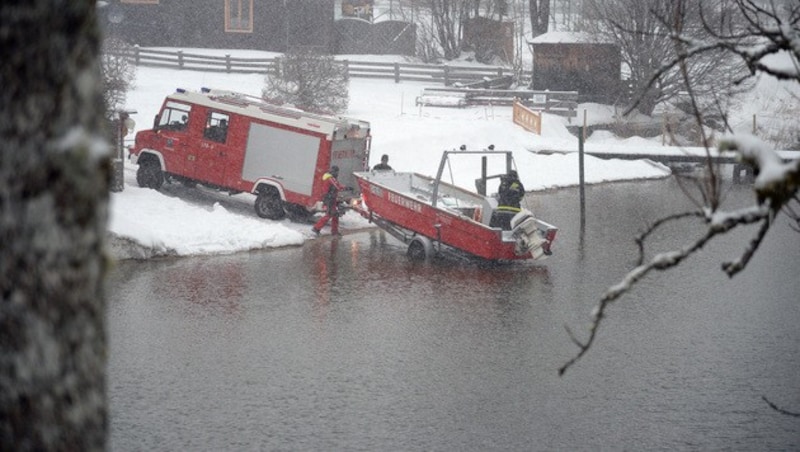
239,16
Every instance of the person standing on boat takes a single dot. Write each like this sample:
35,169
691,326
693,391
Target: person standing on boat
511,191
509,196
383,165
330,200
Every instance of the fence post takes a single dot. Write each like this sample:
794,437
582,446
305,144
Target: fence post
582,191
397,72
228,62
136,57
180,59
748,169
346,64
584,125
446,76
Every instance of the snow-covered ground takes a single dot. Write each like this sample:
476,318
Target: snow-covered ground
180,221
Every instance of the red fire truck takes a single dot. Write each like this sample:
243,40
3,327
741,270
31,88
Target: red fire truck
239,143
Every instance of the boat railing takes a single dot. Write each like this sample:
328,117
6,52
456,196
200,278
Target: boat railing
451,198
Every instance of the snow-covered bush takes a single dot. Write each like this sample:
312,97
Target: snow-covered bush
309,81
118,73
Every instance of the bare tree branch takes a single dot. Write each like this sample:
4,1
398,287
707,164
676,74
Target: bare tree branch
734,267
760,30
718,225
780,410
641,238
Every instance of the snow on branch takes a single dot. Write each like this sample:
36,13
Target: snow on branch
774,177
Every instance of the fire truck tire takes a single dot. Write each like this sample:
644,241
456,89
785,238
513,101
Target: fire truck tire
149,174
420,249
269,205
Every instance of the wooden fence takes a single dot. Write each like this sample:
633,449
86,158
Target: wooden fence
564,103
436,73
526,118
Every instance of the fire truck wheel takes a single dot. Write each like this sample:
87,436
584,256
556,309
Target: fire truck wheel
149,175
269,205
420,249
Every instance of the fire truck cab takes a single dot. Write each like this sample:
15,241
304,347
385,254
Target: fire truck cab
239,143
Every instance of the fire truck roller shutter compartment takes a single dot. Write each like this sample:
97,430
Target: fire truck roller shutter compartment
287,156
349,155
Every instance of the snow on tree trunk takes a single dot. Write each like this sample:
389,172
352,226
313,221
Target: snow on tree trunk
53,210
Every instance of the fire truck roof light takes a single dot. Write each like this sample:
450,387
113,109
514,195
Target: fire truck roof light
205,90
180,90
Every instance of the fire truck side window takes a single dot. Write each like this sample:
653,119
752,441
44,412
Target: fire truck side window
216,127
174,116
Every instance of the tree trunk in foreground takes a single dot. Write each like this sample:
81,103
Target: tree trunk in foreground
53,209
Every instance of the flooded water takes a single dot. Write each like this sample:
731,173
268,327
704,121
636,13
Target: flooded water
343,344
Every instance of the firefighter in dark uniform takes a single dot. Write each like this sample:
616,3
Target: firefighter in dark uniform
330,200
383,165
509,195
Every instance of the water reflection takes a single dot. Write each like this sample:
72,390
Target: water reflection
205,285
373,268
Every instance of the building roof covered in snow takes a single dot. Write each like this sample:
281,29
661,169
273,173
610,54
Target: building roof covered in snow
567,37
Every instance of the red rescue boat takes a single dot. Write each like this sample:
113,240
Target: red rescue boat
433,216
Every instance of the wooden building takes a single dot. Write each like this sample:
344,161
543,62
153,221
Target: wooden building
569,61
271,25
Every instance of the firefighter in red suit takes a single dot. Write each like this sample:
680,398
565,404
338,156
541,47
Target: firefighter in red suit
331,188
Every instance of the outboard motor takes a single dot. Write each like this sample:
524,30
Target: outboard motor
531,235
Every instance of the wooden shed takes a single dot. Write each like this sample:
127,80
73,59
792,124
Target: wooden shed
570,61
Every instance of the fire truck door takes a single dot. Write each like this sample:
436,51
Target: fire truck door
212,159
178,146
209,165
173,127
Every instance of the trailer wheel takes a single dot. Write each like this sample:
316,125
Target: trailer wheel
269,205
149,174
420,249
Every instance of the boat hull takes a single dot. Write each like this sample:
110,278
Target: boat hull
401,199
